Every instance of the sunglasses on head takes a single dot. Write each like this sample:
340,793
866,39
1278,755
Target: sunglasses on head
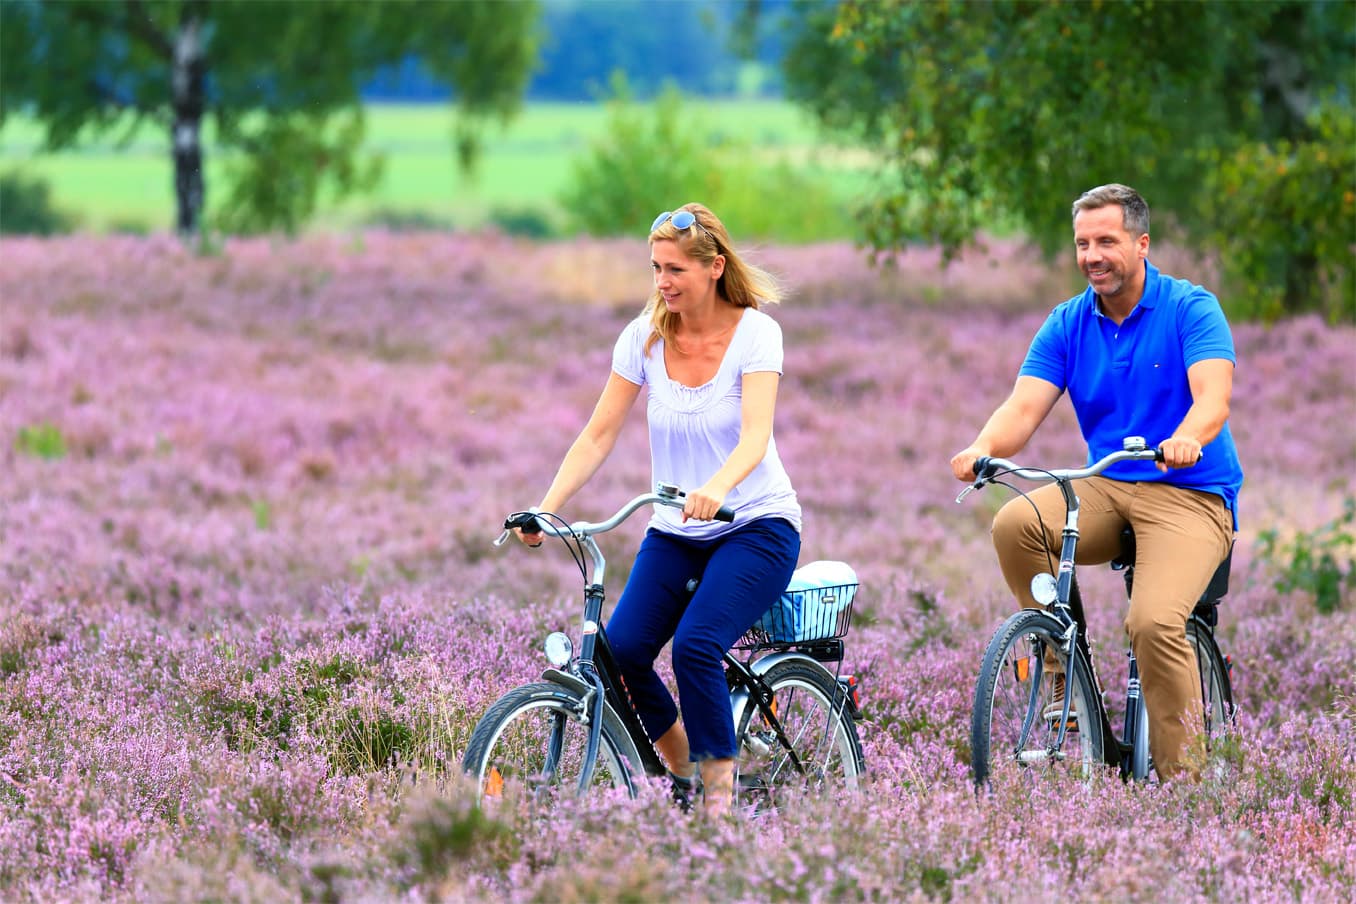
682,219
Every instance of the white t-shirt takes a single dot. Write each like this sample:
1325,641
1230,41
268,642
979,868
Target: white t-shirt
693,430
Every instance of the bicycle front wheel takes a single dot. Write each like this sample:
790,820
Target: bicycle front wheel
1217,693
817,747
532,741
1009,726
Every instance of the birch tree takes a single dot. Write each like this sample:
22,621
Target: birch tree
273,77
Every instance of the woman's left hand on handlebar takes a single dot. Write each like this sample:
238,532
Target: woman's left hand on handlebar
702,504
1179,452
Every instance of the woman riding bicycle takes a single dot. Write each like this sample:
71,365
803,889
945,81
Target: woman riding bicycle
712,362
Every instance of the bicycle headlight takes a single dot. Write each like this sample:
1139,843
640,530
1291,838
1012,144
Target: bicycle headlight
559,649
1044,588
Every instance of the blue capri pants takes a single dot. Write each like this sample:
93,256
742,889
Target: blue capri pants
741,574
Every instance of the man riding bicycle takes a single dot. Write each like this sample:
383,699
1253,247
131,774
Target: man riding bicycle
1140,353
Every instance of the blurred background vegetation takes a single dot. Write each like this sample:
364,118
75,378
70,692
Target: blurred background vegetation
886,122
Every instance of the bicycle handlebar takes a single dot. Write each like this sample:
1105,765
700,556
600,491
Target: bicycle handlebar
988,469
664,494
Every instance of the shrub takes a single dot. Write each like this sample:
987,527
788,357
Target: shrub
26,206
651,160
407,220
657,157
527,222
773,199
43,440
1318,561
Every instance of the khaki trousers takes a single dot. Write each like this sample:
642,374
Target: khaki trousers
1181,536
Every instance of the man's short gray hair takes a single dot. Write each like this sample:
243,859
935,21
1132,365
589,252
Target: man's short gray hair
1135,210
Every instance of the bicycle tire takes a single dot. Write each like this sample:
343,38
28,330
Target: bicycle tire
815,716
511,745
1217,692
1007,725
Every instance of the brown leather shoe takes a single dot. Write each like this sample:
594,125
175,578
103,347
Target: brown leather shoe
1055,707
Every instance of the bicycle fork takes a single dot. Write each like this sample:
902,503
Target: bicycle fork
1055,750
592,612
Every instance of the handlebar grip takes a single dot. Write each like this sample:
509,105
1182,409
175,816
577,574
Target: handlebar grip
724,513
524,521
1158,455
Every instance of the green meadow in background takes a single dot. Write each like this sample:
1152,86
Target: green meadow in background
124,183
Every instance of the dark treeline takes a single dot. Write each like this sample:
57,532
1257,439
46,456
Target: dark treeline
702,46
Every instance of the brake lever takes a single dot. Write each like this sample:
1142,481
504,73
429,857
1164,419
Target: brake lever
977,485
503,538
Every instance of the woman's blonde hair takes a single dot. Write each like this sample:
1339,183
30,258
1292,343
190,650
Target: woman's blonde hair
741,283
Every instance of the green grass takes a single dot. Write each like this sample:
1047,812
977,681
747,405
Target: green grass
525,164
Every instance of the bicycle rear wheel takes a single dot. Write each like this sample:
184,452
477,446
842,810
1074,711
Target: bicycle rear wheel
1216,690
818,748
1008,728
533,741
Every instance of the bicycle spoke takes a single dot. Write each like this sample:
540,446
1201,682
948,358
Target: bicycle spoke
1010,727
533,742
815,747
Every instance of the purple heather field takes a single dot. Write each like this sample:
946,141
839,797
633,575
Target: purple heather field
251,611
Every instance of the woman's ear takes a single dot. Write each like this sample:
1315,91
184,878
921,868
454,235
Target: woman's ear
717,266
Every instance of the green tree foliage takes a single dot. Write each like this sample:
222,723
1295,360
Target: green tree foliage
279,184
999,113
279,80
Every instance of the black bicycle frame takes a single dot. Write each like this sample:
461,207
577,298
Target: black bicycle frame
1114,750
598,667
1070,611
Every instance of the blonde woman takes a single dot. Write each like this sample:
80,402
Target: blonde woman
711,361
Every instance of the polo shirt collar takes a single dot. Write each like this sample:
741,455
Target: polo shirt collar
1152,288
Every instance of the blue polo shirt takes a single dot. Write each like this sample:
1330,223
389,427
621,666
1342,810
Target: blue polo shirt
1131,380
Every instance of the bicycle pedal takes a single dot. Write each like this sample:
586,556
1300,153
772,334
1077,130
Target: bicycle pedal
757,745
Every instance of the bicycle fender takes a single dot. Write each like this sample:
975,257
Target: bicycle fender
740,698
579,686
764,665
565,679
739,701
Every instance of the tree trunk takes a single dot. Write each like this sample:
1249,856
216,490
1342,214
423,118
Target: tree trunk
188,78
